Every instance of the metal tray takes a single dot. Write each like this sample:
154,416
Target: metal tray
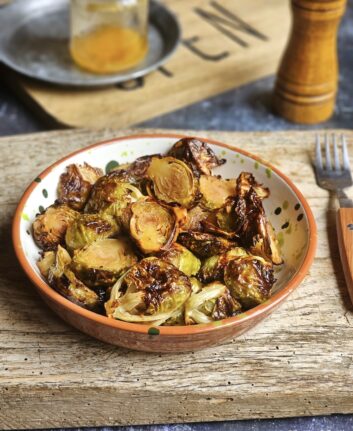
34,42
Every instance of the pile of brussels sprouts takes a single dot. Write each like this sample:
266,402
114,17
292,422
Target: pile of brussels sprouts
160,241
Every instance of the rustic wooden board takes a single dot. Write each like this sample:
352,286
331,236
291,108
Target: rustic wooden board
243,43
297,362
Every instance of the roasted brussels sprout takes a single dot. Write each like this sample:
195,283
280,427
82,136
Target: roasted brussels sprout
111,194
213,267
215,191
197,154
246,181
154,290
102,262
87,228
75,291
152,226
63,280
213,302
172,181
76,183
182,258
249,279
138,169
49,228
204,244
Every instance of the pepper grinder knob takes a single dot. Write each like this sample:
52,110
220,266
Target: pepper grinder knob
306,85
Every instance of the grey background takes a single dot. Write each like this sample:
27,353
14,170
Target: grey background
246,108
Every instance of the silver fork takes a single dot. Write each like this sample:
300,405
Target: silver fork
333,173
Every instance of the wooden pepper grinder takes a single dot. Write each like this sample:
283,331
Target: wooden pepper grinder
306,85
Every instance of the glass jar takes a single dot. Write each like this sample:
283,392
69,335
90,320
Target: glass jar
108,36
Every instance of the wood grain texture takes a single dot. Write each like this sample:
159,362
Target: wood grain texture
306,84
243,43
345,243
297,362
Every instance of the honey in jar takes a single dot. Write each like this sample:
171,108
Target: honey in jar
108,36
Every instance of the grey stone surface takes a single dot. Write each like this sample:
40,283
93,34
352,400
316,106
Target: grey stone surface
246,108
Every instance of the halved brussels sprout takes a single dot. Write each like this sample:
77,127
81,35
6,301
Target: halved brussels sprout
204,244
246,181
102,262
152,226
194,218
197,154
213,267
77,292
87,228
182,258
49,228
172,181
111,194
215,191
63,280
249,279
151,291
76,183
213,302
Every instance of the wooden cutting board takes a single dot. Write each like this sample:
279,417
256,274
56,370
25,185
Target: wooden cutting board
225,44
297,362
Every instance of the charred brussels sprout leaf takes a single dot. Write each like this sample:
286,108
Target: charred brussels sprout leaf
46,262
49,228
152,226
182,258
246,181
194,218
102,262
76,183
213,302
204,244
254,229
87,228
196,284
111,194
172,181
151,291
215,191
197,154
213,268
249,280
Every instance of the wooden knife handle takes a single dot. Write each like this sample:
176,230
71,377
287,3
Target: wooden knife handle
345,243
306,85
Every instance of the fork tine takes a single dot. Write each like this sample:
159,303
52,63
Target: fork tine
318,152
335,153
327,153
345,153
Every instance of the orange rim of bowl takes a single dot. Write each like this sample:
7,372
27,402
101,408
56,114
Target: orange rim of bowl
253,313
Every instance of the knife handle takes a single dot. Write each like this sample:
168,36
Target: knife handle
345,243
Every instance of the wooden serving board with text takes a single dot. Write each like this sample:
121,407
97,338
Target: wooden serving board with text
297,362
225,44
